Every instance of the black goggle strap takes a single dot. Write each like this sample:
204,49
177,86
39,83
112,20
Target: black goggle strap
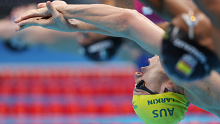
141,85
191,22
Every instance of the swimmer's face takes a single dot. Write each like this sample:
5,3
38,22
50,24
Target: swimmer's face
154,77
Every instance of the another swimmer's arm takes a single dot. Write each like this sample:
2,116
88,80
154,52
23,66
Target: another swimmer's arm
211,9
168,9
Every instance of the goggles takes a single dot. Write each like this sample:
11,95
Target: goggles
142,85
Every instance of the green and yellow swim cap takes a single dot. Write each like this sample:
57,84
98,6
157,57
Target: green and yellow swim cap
165,108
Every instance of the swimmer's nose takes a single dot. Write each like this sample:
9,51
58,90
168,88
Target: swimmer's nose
137,76
138,73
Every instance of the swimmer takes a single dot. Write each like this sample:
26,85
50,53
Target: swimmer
211,9
156,99
132,25
199,38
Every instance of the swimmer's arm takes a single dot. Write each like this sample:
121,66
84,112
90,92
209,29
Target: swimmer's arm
59,23
209,85
205,93
80,26
122,22
104,17
97,18
145,33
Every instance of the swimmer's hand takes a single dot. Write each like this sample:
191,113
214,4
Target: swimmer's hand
42,11
47,17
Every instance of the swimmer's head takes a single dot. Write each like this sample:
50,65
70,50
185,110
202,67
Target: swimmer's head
156,98
102,50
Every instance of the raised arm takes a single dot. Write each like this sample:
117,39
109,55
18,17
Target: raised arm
205,93
104,19
123,22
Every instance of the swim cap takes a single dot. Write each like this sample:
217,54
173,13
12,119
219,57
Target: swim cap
102,50
184,58
165,108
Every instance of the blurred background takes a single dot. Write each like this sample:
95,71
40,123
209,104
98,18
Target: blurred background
49,77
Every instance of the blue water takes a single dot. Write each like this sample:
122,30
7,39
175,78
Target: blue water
41,53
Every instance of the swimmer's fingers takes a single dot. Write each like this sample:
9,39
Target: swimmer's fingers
42,12
55,22
41,5
52,10
55,3
33,22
